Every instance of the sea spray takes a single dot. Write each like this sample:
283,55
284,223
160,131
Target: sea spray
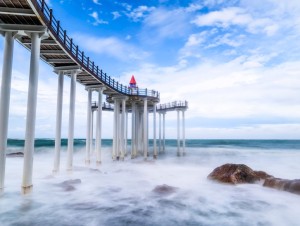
121,193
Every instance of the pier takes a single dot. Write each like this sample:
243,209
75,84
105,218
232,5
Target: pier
33,25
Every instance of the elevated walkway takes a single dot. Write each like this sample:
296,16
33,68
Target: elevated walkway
59,50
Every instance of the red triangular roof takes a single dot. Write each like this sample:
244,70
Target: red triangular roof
132,80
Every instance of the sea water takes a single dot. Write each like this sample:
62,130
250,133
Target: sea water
121,192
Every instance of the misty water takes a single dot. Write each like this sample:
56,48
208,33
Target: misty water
121,193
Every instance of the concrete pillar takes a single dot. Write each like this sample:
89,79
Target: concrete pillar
99,126
137,131
141,140
178,133
114,151
92,133
122,131
183,133
159,132
31,112
145,129
164,131
88,127
4,101
154,132
133,130
59,105
118,131
71,121
126,133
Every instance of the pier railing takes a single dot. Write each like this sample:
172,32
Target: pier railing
172,105
105,106
79,56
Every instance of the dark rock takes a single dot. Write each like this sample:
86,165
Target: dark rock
262,175
237,174
16,154
164,189
292,186
240,173
68,185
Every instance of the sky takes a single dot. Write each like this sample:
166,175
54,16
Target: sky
237,63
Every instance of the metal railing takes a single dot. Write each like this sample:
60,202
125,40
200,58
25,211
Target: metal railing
105,106
172,105
73,50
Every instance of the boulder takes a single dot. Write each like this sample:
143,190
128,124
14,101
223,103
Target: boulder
68,185
241,174
16,154
164,189
292,186
237,174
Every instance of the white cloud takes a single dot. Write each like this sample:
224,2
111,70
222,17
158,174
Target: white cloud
97,2
97,19
126,6
193,7
163,23
116,15
110,46
236,16
139,13
231,90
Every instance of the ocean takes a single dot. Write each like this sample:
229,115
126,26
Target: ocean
121,193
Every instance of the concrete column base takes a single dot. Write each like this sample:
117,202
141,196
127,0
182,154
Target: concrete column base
27,190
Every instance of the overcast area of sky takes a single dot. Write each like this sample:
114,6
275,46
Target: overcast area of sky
235,61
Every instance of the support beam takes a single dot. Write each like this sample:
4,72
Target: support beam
71,121
145,129
58,121
133,125
183,132
89,127
164,131
59,61
16,11
178,133
154,132
159,132
47,42
31,112
122,132
4,100
92,133
99,126
114,150
53,52
118,130
126,134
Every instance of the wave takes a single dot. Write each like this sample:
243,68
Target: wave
215,143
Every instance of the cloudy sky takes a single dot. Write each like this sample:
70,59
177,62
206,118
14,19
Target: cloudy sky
237,62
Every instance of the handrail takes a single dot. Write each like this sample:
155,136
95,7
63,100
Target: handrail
104,105
174,104
73,50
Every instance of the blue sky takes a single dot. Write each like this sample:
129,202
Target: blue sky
235,61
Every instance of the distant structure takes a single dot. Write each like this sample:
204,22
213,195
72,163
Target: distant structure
132,83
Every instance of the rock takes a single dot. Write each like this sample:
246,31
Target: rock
164,189
292,186
16,154
68,184
237,174
262,175
240,174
